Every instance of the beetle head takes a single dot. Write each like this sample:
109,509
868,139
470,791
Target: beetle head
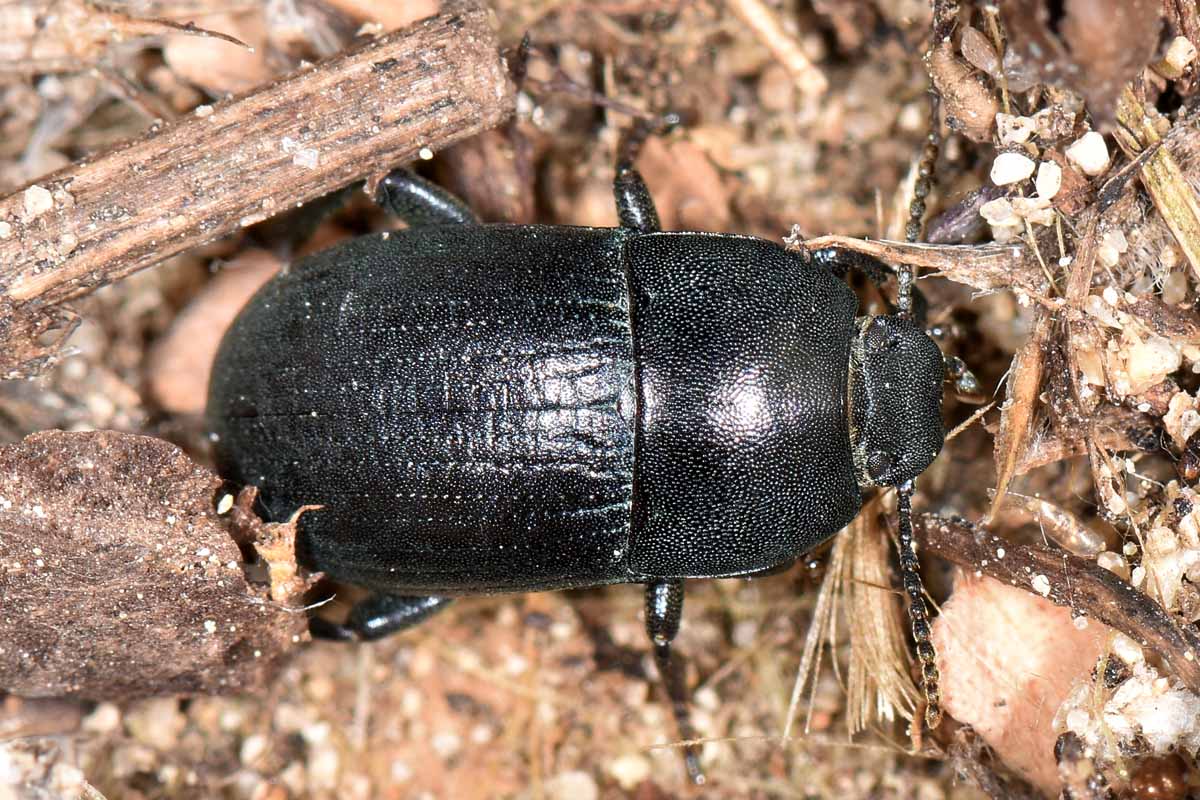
895,400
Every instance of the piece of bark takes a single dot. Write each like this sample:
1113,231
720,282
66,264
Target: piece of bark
117,580
1069,581
238,162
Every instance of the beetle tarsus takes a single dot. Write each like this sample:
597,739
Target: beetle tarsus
664,608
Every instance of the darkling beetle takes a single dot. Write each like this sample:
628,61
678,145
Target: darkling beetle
513,408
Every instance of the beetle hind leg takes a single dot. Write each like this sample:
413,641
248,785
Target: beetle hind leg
377,616
420,202
664,607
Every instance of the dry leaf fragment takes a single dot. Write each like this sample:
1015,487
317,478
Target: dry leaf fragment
1008,660
1018,412
118,580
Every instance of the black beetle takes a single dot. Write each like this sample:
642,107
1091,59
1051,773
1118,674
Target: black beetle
511,408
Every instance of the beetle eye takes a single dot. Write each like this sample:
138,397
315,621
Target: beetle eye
879,464
880,336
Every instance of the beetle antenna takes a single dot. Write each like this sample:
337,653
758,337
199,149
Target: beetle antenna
916,209
918,612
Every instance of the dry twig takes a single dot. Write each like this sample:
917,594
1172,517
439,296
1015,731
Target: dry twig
986,267
236,163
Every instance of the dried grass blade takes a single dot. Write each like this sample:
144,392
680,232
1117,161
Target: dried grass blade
1017,413
1163,178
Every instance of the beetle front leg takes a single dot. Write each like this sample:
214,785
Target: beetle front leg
419,202
377,616
664,607
839,261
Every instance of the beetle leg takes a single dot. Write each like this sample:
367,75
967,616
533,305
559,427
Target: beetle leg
635,206
419,202
839,261
377,616
664,607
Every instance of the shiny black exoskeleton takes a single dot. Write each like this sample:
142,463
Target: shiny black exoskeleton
498,408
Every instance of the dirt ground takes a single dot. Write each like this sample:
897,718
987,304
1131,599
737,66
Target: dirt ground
808,123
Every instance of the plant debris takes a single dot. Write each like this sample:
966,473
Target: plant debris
124,526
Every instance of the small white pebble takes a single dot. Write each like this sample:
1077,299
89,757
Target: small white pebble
576,785
253,748
5,230
999,212
1034,209
210,626
37,201
1174,288
425,153
316,733
1127,649
630,770
1114,563
1014,129
1110,296
1090,153
1077,720
1041,585
105,719
1130,549
999,552
1138,577
1009,168
1080,623
1180,53
446,743
324,764
204,111
1049,180
224,504
1115,239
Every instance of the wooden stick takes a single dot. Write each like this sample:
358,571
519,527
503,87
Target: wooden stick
239,162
